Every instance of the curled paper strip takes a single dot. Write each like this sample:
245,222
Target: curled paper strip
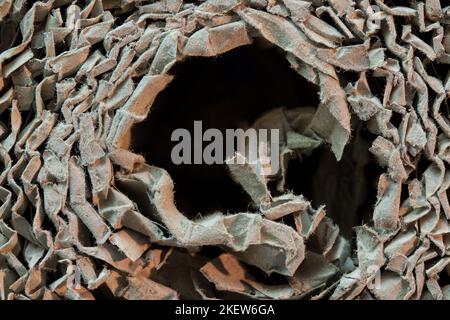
81,213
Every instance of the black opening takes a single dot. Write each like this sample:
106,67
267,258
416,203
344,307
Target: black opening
347,188
225,92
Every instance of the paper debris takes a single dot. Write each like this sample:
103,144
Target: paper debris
74,79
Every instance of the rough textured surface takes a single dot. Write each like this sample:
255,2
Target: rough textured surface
81,215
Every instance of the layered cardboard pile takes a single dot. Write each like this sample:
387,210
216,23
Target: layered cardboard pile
80,213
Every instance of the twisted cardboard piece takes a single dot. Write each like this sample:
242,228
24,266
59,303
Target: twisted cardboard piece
79,210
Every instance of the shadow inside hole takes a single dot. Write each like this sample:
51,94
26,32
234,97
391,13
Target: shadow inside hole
226,92
347,188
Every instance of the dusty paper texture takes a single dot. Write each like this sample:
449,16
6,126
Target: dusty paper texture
74,79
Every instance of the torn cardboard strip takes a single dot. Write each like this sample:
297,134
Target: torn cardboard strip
74,80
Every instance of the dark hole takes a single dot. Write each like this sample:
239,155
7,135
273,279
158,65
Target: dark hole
346,77
444,275
103,293
11,35
422,163
396,119
347,188
376,85
229,91
405,193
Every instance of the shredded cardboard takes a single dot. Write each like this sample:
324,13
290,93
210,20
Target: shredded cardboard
81,214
